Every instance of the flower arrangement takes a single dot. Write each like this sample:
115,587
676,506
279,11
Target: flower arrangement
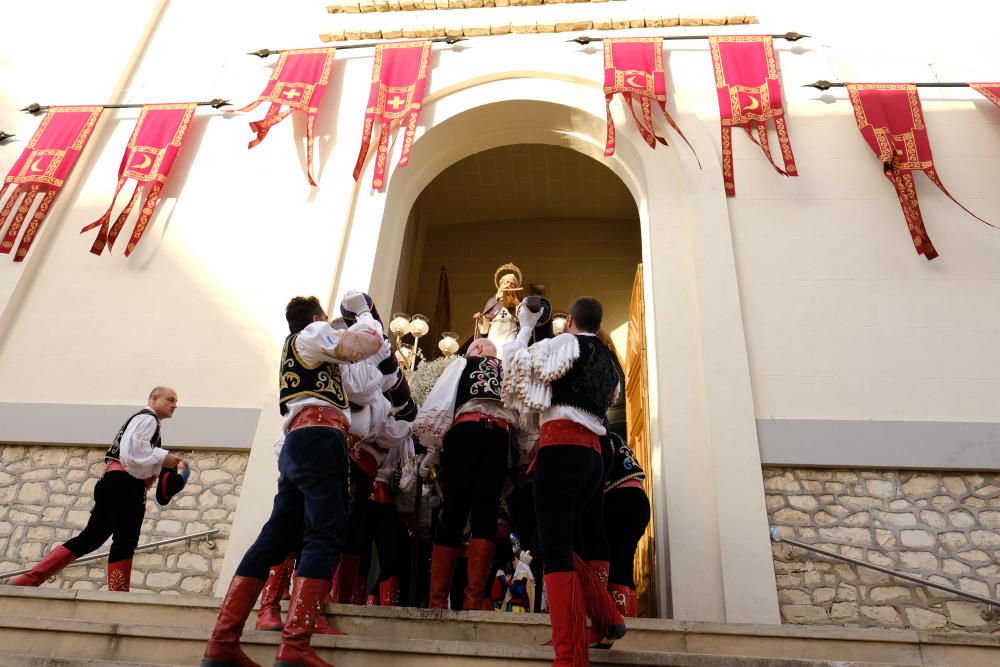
423,378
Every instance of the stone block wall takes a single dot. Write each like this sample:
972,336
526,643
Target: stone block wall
944,527
46,494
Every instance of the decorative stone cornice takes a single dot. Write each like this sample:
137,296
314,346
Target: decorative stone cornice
369,6
529,27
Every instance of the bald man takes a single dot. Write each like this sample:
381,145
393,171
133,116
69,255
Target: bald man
464,424
133,460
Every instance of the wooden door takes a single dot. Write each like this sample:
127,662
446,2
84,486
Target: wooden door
637,411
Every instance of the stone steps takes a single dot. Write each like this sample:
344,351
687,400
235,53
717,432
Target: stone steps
143,628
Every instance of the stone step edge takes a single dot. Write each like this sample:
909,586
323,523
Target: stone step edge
411,646
28,660
817,632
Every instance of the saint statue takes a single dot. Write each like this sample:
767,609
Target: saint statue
498,319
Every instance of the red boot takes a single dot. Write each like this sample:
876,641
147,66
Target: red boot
606,624
300,624
346,573
53,562
388,592
223,648
567,614
479,561
626,600
443,561
601,568
360,584
269,614
120,575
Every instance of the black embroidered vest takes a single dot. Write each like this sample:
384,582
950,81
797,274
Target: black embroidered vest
114,451
625,466
591,381
299,380
481,380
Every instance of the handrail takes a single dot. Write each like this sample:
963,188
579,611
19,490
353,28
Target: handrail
142,547
992,606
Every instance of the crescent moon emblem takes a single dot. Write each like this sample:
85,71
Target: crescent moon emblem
146,161
630,81
754,104
34,165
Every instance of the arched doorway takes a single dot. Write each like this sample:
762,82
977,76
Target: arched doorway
563,218
700,412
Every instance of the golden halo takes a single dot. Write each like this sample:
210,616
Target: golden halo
505,269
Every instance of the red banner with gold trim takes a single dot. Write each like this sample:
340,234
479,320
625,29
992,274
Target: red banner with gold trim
151,151
634,69
746,79
398,80
42,169
891,120
990,91
298,82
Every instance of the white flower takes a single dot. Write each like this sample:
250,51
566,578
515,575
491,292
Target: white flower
422,380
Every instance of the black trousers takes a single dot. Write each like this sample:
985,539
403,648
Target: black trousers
567,479
358,539
473,468
626,515
119,506
309,515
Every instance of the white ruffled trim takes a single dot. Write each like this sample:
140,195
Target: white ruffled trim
530,371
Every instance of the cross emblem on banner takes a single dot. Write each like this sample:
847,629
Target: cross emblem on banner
292,93
396,102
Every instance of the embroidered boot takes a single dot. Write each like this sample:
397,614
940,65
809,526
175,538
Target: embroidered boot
269,614
626,600
223,648
120,575
606,624
300,624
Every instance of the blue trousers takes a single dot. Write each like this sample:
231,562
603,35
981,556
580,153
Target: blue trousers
309,515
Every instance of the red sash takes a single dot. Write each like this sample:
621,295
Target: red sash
398,80
634,69
891,120
152,149
746,80
42,168
298,82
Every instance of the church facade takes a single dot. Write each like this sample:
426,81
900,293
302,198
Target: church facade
806,372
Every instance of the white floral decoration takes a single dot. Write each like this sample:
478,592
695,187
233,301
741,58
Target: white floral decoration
423,379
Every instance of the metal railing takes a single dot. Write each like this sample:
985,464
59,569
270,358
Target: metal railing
992,606
142,547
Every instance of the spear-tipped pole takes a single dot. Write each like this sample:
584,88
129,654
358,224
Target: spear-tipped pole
823,84
264,53
35,108
788,36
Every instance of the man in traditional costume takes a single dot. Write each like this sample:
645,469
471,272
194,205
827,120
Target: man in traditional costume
571,381
464,425
384,412
626,515
309,512
134,461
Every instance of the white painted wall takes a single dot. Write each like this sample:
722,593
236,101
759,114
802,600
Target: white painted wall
818,270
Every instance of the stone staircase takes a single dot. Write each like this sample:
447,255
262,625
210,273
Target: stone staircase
57,628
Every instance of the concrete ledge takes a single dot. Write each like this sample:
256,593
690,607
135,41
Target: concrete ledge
69,424
923,445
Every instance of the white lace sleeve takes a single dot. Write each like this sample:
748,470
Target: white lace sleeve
438,410
530,371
